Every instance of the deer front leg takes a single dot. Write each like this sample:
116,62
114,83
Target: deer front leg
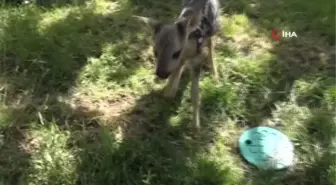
173,82
195,97
213,65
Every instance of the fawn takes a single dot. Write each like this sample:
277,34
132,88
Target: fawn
180,44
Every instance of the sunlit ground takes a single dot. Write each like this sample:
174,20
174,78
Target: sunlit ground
79,104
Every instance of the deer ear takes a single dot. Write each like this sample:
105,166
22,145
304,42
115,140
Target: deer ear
182,25
189,18
154,24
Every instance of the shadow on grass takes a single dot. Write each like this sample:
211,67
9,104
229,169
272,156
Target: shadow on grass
13,158
44,3
162,10
152,151
309,58
42,55
316,164
41,62
153,157
51,60
311,54
149,151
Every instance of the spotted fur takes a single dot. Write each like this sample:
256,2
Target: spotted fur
209,21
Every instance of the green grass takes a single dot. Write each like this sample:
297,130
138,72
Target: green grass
79,103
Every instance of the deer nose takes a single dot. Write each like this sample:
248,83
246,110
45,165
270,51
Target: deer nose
162,74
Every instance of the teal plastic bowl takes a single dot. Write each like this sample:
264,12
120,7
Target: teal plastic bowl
266,148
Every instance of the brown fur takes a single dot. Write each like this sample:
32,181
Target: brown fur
173,39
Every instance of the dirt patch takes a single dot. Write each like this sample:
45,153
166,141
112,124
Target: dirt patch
116,113
109,109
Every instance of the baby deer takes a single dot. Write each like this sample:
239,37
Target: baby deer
180,44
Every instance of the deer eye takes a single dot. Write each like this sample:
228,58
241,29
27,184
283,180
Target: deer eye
176,54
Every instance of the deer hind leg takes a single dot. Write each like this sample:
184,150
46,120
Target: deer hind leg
195,97
173,82
213,66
